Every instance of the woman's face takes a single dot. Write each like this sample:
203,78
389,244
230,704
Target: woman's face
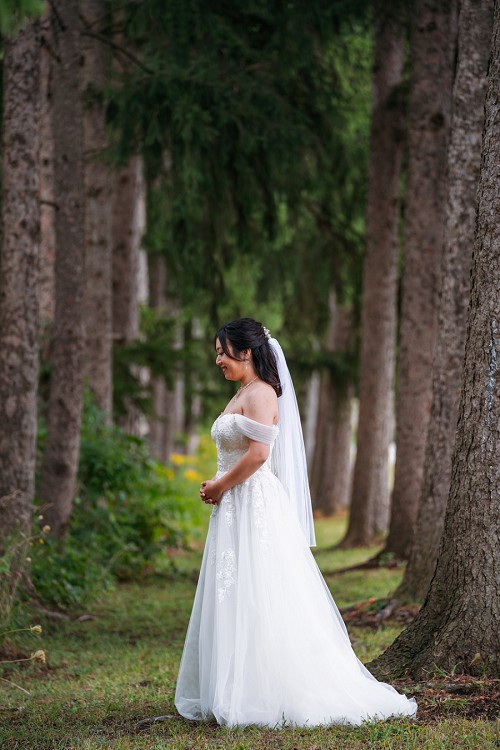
233,369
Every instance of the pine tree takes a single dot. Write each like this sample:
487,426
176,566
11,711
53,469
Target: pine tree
60,458
19,280
464,159
457,627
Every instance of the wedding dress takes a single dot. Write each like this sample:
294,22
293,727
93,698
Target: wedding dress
266,644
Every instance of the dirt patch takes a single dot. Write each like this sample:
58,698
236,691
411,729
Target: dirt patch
453,695
373,613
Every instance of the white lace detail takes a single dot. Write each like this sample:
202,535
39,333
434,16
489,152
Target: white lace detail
255,499
229,507
225,574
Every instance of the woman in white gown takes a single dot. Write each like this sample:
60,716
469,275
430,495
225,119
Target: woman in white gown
266,644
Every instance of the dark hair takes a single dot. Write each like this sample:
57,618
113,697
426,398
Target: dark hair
247,333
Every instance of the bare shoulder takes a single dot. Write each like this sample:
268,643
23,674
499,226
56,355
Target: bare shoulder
261,404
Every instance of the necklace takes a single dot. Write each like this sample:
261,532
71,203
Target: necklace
242,388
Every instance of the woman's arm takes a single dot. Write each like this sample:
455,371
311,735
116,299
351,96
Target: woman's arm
260,406
257,453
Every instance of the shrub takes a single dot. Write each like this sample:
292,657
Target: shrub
128,510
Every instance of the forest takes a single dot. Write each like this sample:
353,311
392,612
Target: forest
330,169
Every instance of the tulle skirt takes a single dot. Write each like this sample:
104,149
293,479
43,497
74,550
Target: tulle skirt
266,644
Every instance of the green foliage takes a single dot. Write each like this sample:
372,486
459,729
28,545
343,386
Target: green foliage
130,508
155,349
13,13
252,121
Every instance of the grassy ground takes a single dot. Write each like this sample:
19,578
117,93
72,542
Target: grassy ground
109,672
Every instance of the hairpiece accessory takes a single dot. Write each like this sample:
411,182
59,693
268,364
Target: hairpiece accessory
266,333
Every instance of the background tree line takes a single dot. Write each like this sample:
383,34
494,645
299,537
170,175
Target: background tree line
331,166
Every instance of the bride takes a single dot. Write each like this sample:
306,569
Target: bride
266,644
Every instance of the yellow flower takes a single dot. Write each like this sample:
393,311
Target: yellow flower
192,475
36,628
178,459
41,541
39,656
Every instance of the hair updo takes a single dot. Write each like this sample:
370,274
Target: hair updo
247,333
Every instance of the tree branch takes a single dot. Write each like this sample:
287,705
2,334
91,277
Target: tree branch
120,49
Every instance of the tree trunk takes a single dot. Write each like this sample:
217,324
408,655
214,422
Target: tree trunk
98,215
191,389
337,488
457,627
330,479
322,441
311,415
126,246
60,458
370,492
464,158
432,55
167,402
47,201
18,280
129,274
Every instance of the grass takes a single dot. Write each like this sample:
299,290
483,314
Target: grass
108,672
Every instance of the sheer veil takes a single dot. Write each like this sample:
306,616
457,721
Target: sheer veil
289,455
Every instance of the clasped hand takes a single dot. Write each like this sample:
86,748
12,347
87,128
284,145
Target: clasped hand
210,493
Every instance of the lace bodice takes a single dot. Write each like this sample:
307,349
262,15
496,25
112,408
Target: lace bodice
231,434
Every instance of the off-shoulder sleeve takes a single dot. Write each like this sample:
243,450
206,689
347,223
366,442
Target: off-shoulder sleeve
262,433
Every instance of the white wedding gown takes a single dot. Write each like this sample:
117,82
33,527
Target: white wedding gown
266,644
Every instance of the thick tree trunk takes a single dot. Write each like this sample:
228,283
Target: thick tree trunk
464,158
98,214
432,56
167,402
47,201
18,280
60,459
457,626
370,492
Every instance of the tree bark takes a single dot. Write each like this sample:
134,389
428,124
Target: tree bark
60,458
337,488
432,55
19,280
322,440
167,402
47,199
457,627
128,270
126,246
311,415
370,492
464,158
330,477
98,214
